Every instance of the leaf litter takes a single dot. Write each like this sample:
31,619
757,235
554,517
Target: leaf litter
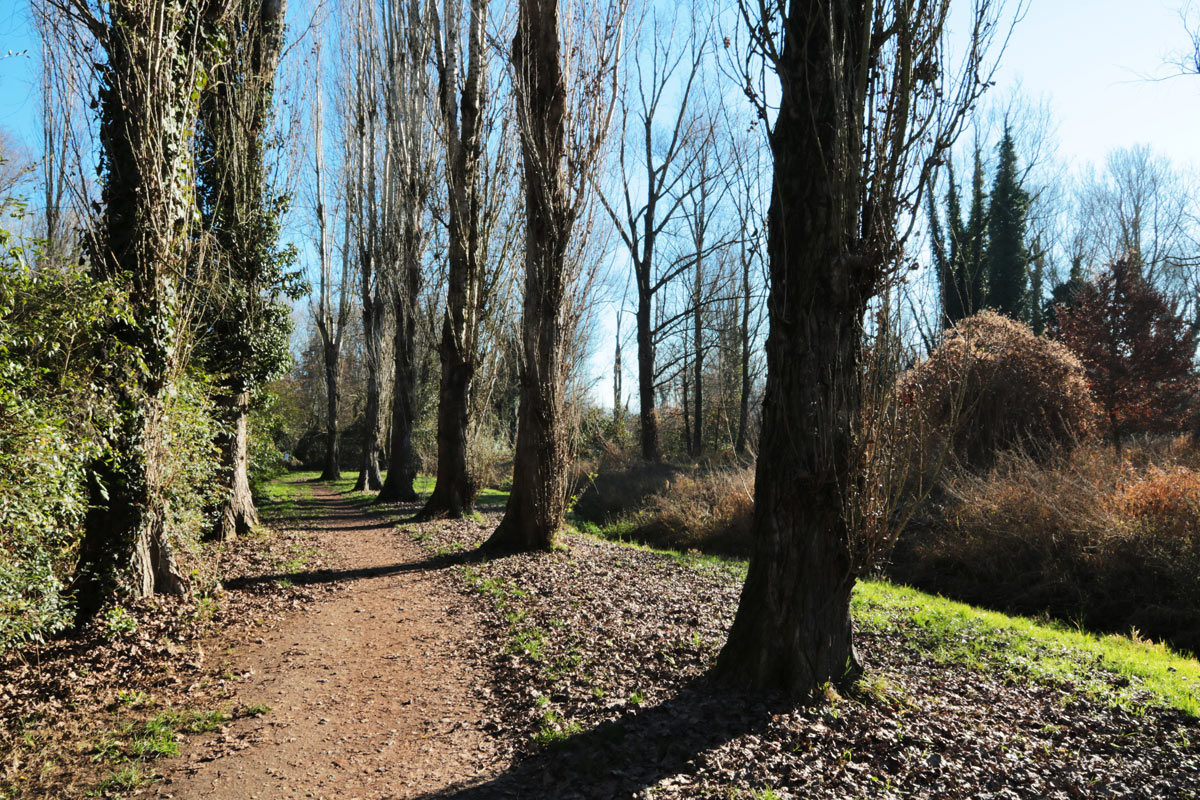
615,700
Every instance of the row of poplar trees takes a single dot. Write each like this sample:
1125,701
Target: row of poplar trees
867,109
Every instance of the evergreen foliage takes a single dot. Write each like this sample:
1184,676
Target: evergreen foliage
1007,254
974,243
51,323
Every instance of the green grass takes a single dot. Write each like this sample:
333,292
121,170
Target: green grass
553,728
282,497
1118,670
492,497
1122,671
155,737
124,779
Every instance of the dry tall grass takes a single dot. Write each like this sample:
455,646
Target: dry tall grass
1110,541
692,508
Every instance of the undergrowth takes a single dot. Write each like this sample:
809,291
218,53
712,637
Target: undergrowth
1108,540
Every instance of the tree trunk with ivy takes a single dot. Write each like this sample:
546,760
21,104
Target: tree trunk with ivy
250,326
149,83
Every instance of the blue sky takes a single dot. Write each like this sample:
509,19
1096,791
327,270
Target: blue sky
1090,59
1094,61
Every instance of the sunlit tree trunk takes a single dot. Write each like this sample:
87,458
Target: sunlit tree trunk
147,106
832,243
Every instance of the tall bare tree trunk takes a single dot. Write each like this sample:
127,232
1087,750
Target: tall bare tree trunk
538,499
331,471
369,477
455,489
848,160
408,33
792,630
647,409
330,315
402,460
740,444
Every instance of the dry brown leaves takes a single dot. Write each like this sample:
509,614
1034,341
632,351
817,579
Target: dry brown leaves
61,701
614,701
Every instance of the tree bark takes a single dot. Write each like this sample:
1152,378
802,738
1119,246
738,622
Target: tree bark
237,515
368,473
332,470
538,499
402,461
247,342
147,108
740,445
697,444
792,631
647,410
454,491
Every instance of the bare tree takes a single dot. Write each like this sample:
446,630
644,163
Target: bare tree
653,175
564,108
867,109
363,156
748,204
15,164
333,305
462,116
710,186
65,138
1140,204
407,38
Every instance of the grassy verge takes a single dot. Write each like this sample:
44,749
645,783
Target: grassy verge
489,499
1123,671
281,497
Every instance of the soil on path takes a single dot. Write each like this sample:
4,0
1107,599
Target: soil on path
371,692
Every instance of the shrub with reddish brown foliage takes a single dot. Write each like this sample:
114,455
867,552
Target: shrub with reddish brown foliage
1137,351
680,508
993,384
1110,541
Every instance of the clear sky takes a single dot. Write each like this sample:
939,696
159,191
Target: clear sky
1094,62
1089,58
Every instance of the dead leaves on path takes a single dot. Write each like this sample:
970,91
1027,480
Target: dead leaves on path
60,702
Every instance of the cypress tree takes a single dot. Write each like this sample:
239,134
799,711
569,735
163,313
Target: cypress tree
974,269
948,254
1007,254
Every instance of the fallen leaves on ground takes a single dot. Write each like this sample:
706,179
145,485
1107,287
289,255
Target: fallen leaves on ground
601,653
70,709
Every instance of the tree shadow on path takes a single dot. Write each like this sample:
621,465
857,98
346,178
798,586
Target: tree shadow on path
641,748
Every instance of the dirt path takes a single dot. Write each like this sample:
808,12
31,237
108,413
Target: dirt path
371,695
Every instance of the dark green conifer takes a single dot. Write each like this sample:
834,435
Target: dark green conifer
1007,254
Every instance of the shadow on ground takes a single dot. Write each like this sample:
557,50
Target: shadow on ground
643,747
